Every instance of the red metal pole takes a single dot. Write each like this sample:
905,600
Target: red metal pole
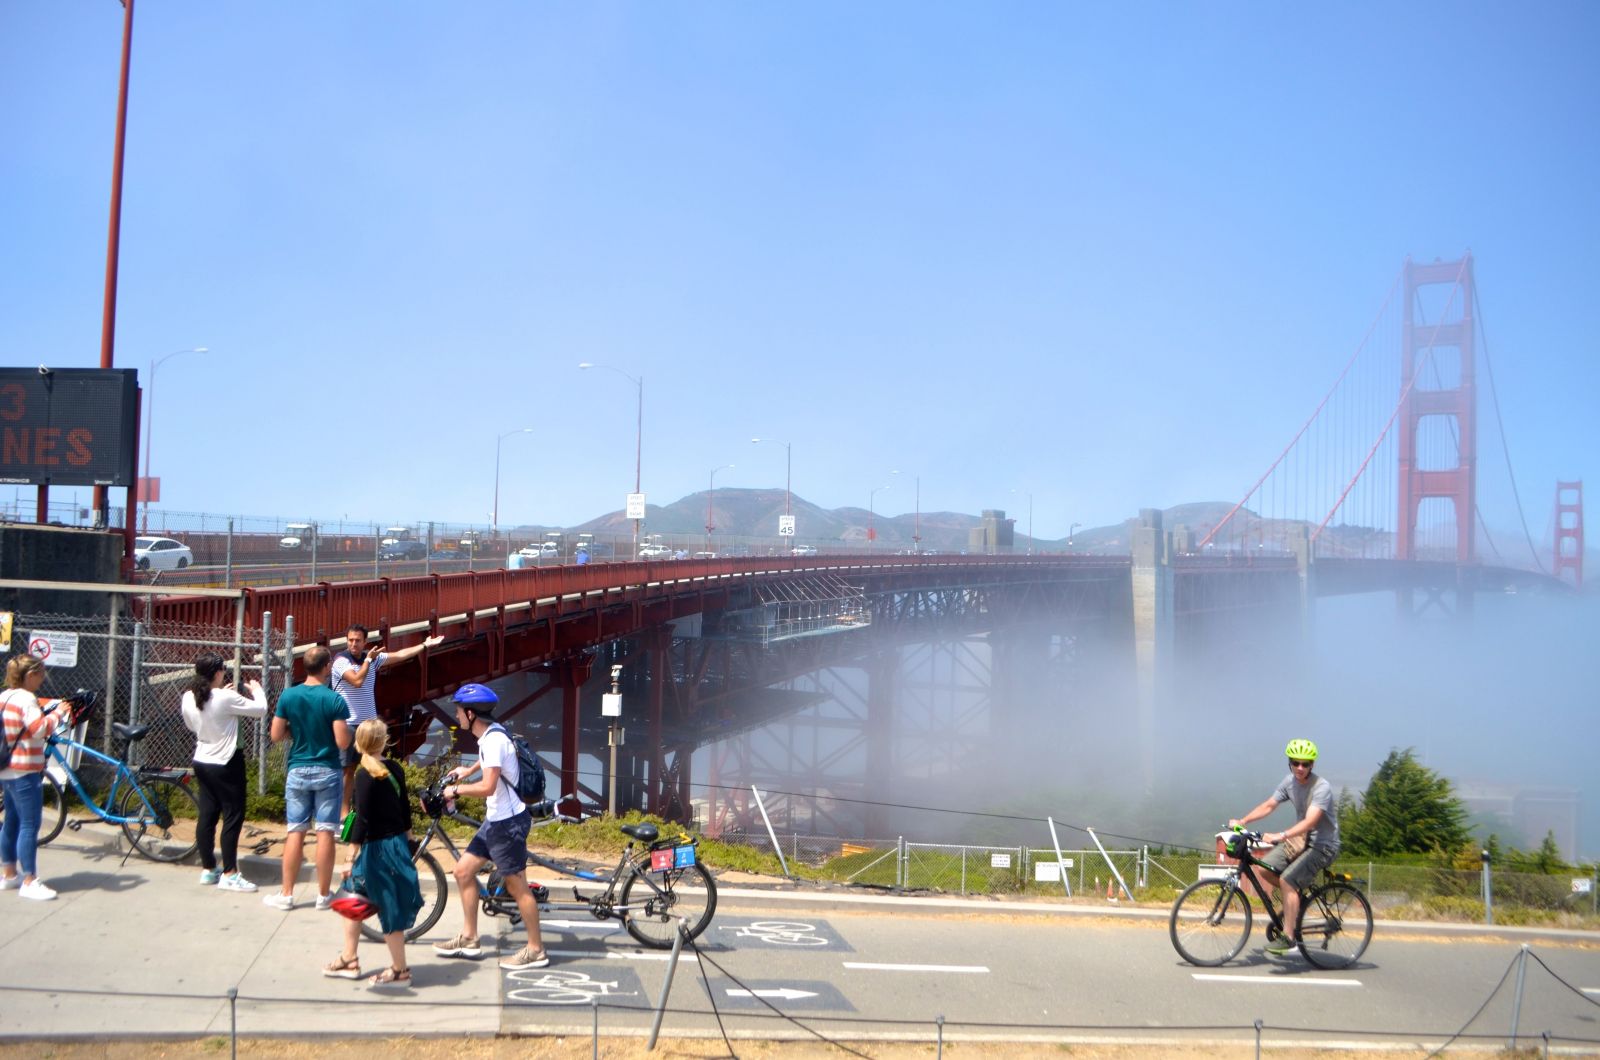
108,316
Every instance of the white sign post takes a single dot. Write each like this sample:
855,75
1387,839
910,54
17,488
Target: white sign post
635,506
785,526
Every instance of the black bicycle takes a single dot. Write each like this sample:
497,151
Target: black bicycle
649,890
1211,918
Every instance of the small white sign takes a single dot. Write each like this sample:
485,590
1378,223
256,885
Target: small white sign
1582,885
53,648
785,526
611,705
1217,872
999,861
1050,871
635,506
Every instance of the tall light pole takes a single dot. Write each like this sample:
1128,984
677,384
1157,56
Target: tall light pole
149,429
788,467
1070,529
108,313
1030,518
494,514
710,499
872,496
638,439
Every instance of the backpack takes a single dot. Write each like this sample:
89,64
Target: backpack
530,771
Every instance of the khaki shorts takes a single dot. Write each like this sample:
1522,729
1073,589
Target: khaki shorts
1300,872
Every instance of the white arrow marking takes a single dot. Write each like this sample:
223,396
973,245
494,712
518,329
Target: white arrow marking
788,993
589,925
970,968
1280,980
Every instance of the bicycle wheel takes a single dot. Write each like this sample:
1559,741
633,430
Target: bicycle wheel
435,892
160,823
657,923
1210,921
1335,925
54,816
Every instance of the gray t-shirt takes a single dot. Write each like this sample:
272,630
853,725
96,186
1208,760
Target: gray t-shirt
1314,792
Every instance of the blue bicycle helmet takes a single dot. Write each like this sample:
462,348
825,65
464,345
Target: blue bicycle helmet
480,699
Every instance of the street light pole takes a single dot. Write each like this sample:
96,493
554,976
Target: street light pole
710,499
916,525
108,313
638,437
494,515
788,468
1070,529
149,429
871,499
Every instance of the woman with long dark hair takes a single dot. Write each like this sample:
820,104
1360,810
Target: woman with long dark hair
383,870
26,729
212,709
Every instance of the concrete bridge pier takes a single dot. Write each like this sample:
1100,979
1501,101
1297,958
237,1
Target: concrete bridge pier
569,674
1306,562
1153,640
883,672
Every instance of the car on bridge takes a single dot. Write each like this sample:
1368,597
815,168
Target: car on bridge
161,553
654,551
446,554
403,550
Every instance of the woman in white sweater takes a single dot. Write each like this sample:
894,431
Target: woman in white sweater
212,709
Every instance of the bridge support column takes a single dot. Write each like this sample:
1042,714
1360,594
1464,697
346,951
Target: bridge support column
883,671
657,644
1305,561
1152,629
569,674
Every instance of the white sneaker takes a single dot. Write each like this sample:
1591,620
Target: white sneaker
235,882
324,901
10,883
37,891
281,901
209,877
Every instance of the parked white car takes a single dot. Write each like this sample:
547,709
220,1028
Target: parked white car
161,553
654,552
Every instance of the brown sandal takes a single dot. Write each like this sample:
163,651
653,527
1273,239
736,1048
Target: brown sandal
342,967
392,977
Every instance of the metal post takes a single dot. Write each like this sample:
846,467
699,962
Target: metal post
939,1023
266,723
594,1008
227,565
316,532
1061,861
963,872
377,546
1109,864
666,986
1488,891
233,1022
770,833
138,682
111,677
1516,1001
900,862
1258,1040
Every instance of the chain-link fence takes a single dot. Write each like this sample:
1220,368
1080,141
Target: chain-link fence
142,672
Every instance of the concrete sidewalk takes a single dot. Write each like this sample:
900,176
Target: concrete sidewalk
142,949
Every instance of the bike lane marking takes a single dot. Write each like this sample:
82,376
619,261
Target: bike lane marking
1280,980
773,932
559,986
970,969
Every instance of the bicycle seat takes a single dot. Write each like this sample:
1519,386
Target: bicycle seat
129,732
644,833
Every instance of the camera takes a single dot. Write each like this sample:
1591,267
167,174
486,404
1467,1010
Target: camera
616,672
45,369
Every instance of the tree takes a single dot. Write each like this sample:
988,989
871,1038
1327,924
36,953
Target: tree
1408,808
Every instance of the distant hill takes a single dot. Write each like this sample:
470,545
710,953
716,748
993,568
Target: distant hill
747,516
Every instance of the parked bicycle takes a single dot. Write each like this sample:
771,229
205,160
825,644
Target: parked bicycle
155,808
1211,918
648,891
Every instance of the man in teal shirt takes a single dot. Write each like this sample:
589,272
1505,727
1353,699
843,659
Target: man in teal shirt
312,716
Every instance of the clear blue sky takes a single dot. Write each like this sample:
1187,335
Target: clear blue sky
1109,254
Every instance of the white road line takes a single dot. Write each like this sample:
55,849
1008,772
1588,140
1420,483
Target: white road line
1591,990
970,968
1280,980
580,925
620,956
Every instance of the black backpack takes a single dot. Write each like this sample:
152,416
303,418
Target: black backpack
530,771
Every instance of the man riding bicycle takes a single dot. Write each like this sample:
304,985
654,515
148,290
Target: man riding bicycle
1290,864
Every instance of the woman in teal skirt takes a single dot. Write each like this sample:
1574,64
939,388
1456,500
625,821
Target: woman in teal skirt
383,870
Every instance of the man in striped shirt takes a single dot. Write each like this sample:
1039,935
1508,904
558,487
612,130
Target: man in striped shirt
355,673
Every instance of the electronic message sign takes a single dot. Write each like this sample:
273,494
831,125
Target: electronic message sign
68,426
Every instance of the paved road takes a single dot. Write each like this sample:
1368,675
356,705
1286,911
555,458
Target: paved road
157,955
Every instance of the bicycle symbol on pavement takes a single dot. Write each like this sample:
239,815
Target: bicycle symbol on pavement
547,987
781,932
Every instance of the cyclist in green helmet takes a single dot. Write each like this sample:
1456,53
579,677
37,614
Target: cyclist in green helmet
1306,847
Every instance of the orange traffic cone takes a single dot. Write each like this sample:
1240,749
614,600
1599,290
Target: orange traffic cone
1111,888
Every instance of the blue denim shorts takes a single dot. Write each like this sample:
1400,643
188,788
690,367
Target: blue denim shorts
313,793
505,843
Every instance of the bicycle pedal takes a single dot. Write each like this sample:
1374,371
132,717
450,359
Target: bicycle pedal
541,893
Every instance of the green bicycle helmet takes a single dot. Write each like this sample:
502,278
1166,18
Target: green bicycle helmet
1303,750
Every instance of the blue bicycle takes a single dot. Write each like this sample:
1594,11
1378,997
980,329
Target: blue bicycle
155,807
